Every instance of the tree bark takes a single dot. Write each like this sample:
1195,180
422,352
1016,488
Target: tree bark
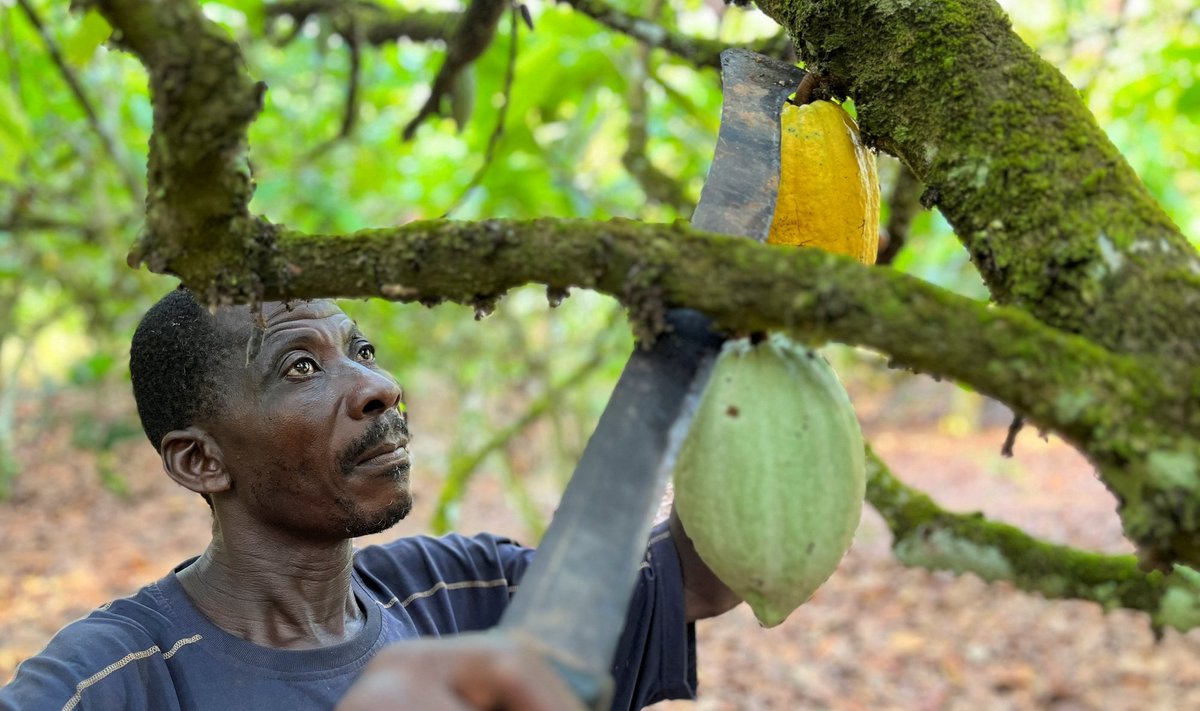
1054,218
199,183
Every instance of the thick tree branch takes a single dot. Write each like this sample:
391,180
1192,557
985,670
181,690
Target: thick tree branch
927,536
1054,218
198,177
1129,414
381,25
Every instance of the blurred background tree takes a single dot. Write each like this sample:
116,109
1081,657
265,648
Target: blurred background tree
571,119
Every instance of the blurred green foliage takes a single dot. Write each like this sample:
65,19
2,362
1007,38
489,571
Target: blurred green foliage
68,302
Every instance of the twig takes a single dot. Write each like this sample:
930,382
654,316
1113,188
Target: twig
534,520
463,467
501,116
657,185
378,24
20,220
904,204
132,182
351,36
1014,428
699,51
474,33
350,116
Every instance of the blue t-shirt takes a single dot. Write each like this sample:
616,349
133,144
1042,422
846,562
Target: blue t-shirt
155,651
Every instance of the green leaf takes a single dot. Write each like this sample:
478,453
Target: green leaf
92,370
80,46
1189,100
14,135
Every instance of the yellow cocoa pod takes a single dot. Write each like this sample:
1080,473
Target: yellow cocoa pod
828,186
770,481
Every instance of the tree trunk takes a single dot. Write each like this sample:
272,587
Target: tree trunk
1054,218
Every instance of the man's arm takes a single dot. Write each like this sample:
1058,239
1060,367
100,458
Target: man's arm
704,595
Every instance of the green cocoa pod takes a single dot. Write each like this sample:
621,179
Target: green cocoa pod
770,481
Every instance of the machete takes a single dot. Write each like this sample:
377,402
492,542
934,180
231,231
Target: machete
572,602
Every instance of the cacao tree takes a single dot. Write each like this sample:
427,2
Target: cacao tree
1092,325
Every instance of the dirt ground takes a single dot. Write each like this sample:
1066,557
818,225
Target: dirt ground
876,636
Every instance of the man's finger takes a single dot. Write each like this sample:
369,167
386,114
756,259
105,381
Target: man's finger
468,673
517,680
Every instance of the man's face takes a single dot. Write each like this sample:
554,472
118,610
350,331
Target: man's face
313,437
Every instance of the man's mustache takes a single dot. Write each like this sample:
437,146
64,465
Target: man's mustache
389,426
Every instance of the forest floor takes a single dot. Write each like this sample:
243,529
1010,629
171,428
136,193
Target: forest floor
876,636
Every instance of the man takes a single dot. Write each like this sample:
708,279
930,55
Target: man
295,437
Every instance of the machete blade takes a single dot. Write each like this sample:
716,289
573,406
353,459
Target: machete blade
739,194
573,600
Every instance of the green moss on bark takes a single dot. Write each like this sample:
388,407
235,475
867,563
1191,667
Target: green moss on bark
1052,215
199,184
927,536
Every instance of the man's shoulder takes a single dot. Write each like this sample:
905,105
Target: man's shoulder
125,622
451,549
89,651
416,567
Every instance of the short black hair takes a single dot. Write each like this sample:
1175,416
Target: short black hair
178,361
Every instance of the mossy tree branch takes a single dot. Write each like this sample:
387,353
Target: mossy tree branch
1054,218
198,178
1127,413
926,535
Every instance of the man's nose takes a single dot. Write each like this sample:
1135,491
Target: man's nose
375,393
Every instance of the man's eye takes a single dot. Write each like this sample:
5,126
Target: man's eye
304,366
366,353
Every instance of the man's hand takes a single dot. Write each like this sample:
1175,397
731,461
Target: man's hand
704,594
467,673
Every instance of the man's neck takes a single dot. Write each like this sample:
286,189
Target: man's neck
274,590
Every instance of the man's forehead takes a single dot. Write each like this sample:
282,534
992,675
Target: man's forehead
281,312
279,319
278,313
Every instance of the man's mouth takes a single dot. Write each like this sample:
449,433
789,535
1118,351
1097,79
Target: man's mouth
383,446
392,452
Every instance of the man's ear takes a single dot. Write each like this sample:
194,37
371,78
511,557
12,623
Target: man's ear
193,459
